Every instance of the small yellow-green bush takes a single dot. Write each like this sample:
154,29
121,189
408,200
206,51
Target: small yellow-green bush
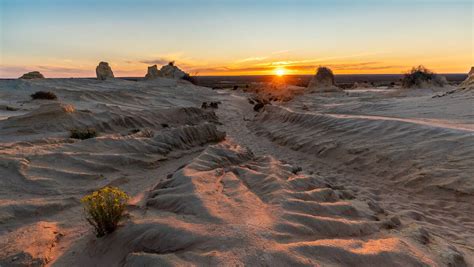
104,209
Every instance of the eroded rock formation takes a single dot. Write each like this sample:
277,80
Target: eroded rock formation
103,71
422,78
469,82
323,81
172,72
32,75
152,73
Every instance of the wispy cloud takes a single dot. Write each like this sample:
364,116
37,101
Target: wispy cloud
359,55
252,65
15,69
296,67
364,66
250,59
157,61
262,64
358,66
11,71
62,69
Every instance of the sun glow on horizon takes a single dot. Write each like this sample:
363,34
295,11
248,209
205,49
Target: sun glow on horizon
280,72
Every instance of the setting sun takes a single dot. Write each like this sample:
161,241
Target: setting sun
280,72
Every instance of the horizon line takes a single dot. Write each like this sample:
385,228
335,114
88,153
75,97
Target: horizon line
245,75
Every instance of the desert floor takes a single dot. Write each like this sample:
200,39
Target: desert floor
359,178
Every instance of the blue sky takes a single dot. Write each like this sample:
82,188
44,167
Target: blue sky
68,38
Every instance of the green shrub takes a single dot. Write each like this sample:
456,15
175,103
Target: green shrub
44,95
82,134
104,209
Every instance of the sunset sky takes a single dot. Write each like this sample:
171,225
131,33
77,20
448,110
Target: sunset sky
68,38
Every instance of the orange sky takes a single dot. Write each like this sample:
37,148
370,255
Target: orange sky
284,61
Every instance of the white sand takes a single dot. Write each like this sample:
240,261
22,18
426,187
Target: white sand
385,181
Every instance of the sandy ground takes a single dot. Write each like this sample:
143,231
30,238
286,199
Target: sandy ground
359,178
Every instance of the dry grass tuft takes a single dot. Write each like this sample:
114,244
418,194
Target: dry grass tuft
44,95
83,134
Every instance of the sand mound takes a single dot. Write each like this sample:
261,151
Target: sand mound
32,75
278,90
152,73
56,166
56,120
45,173
423,156
50,118
195,202
45,118
52,174
323,81
229,207
103,71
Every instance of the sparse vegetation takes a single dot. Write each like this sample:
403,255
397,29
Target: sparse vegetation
296,169
420,77
214,105
82,134
8,108
104,209
44,95
147,133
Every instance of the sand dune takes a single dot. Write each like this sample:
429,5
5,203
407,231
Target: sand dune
47,172
229,207
366,143
357,179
